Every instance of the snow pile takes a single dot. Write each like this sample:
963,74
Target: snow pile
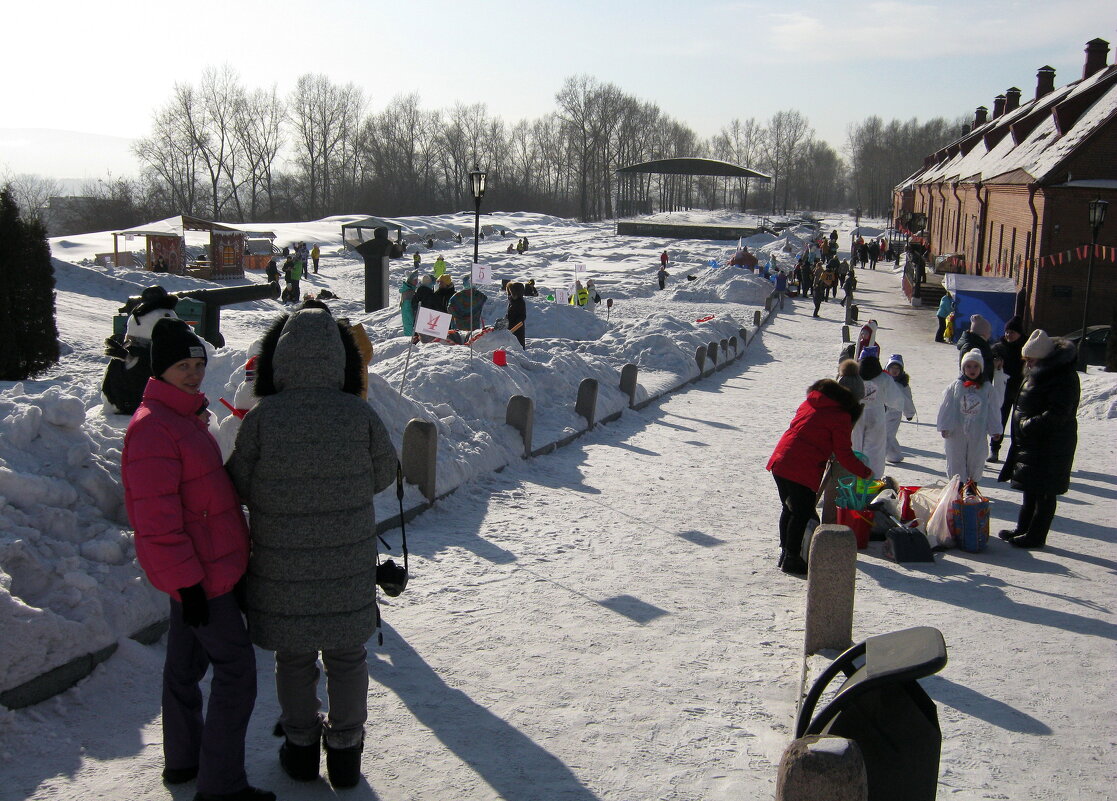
1099,396
69,583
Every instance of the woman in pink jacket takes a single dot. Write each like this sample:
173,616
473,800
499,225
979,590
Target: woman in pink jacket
192,541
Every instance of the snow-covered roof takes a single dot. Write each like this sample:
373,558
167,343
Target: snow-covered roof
176,226
1030,143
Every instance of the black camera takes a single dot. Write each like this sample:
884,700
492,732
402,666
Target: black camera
391,577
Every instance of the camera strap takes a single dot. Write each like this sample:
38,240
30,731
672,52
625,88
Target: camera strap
402,524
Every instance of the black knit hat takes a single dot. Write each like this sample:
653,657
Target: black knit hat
172,340
1015,324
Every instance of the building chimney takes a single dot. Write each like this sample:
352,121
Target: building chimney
998,106
1012,99
1097,53
1045,81
981,115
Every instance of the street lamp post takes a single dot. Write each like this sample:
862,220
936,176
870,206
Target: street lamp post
477,184
1097,217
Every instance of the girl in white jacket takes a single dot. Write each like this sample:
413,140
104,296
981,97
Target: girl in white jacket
870,435
970,412
895,368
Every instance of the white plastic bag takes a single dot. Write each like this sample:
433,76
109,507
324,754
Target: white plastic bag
938,527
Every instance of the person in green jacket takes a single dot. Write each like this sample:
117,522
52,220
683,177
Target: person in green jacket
408,301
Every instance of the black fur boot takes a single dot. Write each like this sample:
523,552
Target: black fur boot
343,765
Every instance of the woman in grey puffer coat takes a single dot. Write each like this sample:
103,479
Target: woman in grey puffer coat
308,459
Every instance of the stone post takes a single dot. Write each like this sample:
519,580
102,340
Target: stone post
587,400
756,318
822,768
845,334
724,360
832,570
700,357
628,382
712,356
420,456
521,416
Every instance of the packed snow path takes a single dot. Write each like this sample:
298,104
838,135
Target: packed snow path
607,622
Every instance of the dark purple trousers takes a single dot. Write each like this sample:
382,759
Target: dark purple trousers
215,744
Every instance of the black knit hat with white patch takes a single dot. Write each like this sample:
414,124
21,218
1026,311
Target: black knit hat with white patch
172,340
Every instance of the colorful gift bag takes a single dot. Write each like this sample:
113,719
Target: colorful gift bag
969,520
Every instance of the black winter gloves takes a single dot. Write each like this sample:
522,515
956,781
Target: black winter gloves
195,608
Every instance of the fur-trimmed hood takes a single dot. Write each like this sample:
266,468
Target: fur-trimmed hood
1063,354
840,395
324,361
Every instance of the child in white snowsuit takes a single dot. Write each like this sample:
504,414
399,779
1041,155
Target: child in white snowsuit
969,414
870,435
895,368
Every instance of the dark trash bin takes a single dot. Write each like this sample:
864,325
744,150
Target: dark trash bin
882,707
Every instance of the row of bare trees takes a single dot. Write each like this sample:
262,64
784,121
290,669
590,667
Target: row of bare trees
222,150
881,154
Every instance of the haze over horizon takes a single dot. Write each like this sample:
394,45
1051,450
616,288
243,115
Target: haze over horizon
835,62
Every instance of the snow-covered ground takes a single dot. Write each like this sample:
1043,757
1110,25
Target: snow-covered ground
604,622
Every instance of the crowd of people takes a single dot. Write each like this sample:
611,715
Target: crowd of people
1029,384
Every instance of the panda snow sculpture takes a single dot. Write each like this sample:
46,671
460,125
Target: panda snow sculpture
130,359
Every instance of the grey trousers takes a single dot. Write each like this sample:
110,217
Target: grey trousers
296,685
214,745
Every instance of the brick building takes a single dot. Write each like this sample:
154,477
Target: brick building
1011,196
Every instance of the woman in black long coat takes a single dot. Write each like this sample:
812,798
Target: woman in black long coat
1044,436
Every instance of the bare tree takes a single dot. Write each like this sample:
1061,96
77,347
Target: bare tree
258,129
32,193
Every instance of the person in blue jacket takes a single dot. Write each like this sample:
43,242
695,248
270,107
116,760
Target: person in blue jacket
946,306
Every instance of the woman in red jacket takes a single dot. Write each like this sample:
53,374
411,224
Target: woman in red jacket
821,428
192,541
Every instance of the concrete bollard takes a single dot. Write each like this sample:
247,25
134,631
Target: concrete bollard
845,333
853,312
587,400
822,768
724,358
756,318
420,455
700,357
736,348
743,335
521,416
628,382
832,572
712,356
768,303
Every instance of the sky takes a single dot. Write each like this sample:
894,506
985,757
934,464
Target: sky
104,68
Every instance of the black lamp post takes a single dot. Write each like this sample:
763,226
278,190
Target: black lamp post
477,184
1097,217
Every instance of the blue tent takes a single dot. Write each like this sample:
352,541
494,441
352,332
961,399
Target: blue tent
992,298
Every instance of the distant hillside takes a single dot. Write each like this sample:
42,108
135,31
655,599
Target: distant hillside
70,157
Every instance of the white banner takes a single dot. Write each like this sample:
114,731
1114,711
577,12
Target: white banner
432,323
562,296
482,274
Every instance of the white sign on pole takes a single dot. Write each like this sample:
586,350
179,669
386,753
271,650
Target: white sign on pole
482,274
562,296
432,323
579,270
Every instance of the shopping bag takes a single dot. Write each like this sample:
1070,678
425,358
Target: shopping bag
969,515
938,526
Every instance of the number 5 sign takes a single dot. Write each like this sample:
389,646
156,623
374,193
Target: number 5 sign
482,274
